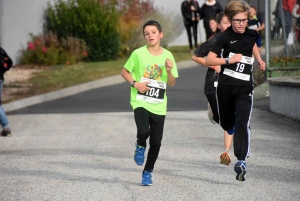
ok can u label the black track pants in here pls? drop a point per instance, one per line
(149, 125)
(235, 107)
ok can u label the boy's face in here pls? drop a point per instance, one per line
(152, 35)
(213, 25)
(239, 22)
(252, 12)
(224, 24)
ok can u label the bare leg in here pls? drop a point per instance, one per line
(227, 140)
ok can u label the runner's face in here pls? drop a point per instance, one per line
(239, 22)
(224, 24)
(152, 35)
(252, 12)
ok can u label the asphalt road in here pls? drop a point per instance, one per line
(81, 148)
(186, 95)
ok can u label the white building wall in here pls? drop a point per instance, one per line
(18, 19)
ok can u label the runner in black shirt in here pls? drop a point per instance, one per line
(233, 51)
(211, 80)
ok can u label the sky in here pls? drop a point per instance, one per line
(174, 6)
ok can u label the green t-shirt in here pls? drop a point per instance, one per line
(146, 67)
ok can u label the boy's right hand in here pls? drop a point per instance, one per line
(235, 58)
(142, 87)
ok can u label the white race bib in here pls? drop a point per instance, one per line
(156, 93)
(236, 75)
(245, 59)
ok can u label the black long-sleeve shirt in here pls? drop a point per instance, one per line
(186, 11)
(207, 12)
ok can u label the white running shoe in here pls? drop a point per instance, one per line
(210, 114)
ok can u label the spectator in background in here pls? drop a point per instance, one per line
(296, 13)
(213, 25)
(208, 10)
(287, 7)
(255, 22)
(5, 65)
(297, 29)
(190, 11)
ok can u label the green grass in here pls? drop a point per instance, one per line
(180, 53)
(63, 76)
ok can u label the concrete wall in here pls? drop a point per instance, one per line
(18, 19)
(285, 96)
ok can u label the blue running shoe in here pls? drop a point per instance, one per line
(139, 154)
(240, 169)
(147, 178)
(231, 131)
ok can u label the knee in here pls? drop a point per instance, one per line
(155, 143)
(143, 134)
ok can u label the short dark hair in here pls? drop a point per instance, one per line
(152, 23)
(213, 18)
(253, 7)
(219, 17)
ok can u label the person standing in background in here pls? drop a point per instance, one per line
(5, 65)
(213, 25)
(257, 24)
(190, 11)
(296, 14)
(208, 10)
(287, 8)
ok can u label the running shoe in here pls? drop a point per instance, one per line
(139, 154)
(6, 133)
(240, 169)
(225, 158)
(210, 114)
(147, 178)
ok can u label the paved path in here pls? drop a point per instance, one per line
(89, 155)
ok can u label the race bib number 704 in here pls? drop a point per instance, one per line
(156, 93)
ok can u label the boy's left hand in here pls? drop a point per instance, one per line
(169, 65)
(262, 65)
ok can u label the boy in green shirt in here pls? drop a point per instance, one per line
(149, 69)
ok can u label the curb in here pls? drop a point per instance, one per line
(69, 91)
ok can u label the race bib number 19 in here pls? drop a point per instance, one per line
(156, 93)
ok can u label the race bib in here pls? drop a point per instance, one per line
(242, 68)
(236, 75)
(156, 93)
(245, 59)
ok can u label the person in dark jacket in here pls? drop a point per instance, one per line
(287, 8)
(209, 10)
(190, 11)
(5, 64)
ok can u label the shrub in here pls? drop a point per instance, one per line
(47, 50)
(38, 53)
(92, 21)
